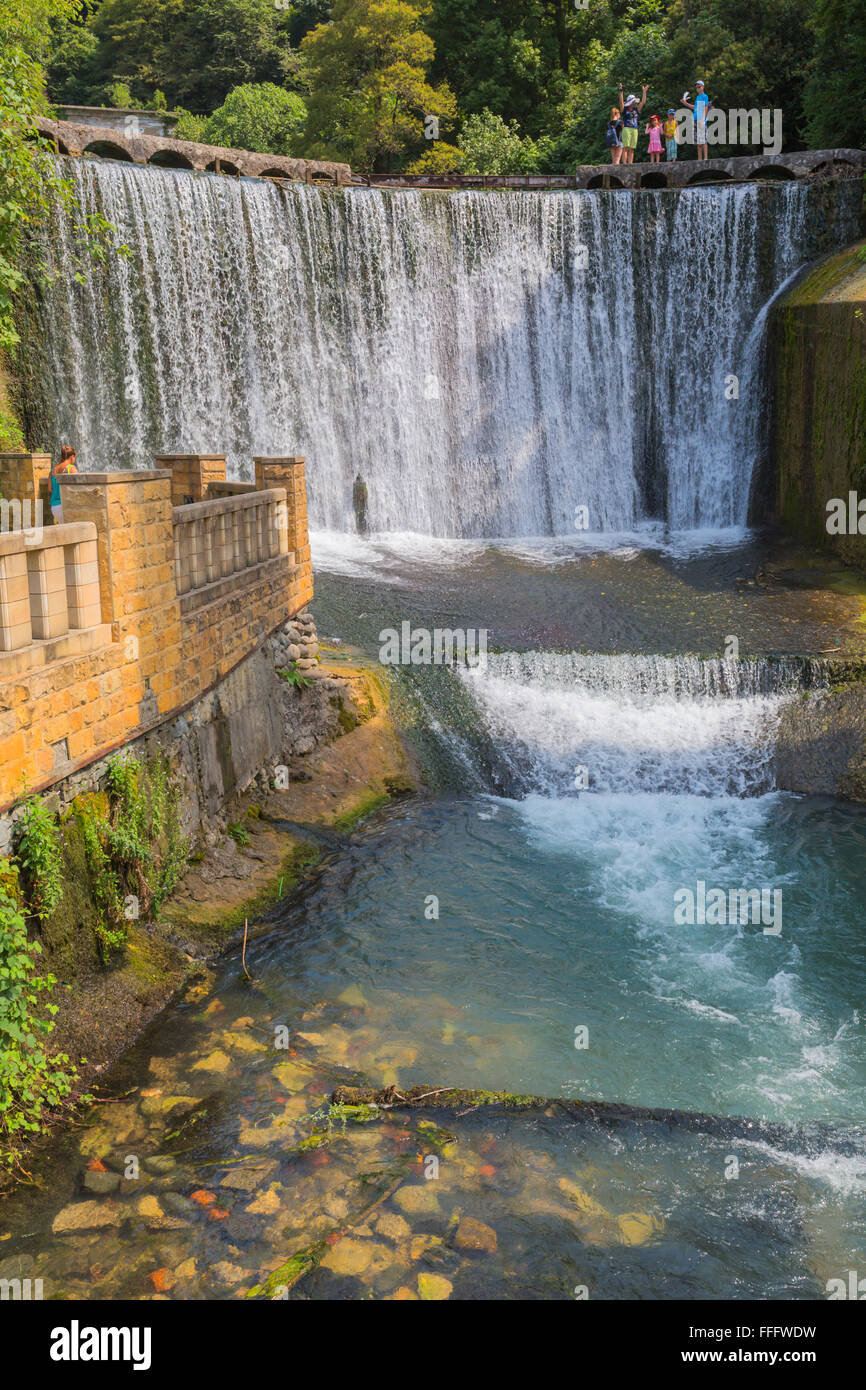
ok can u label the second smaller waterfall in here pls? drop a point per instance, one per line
(636, 724)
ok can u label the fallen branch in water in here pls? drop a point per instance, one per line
(244, 951)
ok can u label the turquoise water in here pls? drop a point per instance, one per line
(545, 923)
(555, 913)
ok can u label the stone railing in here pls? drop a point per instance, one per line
(49, 586)
(221, 539)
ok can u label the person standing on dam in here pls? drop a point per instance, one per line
(630, 110)
(701, 106)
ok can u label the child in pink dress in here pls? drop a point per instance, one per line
(654, 131)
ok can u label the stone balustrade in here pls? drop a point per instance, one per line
(49, 586)
(217, 540)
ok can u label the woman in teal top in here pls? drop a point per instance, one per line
(65, 465)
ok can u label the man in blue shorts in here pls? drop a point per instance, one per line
(701, 105)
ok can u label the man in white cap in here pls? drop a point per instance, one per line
(630, 108)
(701, 105)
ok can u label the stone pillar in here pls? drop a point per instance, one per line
(46, 574)
(15, 627)
(290, 472)
(135, 553)
(25, 478)
(192, 475)
(82, 584)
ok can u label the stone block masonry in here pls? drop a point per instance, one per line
(818, 485)
(138, 606)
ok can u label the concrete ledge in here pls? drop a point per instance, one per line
(132, 475)
(79, 642)
(236, 501)
(68, 533)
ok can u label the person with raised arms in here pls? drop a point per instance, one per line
(630, 109)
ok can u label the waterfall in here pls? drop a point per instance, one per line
(636, 724)
(486, 362)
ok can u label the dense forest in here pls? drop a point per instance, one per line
(487, 86)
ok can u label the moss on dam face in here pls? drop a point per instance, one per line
(819, 424)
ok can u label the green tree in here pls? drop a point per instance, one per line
(72, 47)
(119, 95)
(257, 116)
(33, 1080)
(189, 126)
(370, 99)
(25, 28)
(749, 54)
(494, 146)
(833, 99)
(195, 51)
(523, 59)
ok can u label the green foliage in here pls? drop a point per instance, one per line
(494, 146)
(633, 59)
(189, 126)
(118, 94)
(195, 51)
(32, 1081)
(440, 158)
(11, 433)
(71, 52)
(293, 676)
(134, 847)
(372, 71)
(369, 93)
(30, 187)
(239, 833)
(833, 99)
(257, 116)
(748, 55)
(39, 853)
(511, 57)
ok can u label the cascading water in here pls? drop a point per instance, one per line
(636, 724)
(487, 363)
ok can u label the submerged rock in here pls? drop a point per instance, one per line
(291, 1077)
(393, 1227)
(159, 1164)
(266, 1203)
(216, 1061)
(169, 1105)
(247, 1177)
(100, 1182)
(417, 1200)
(638, 1227)
(434, 1287)
(85, 1216)
(349, 1256)
(474, 1235)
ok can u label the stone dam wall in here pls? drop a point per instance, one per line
(819, 420)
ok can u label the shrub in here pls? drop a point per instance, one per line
(134, 847)
(40, 856)
(32, 1081)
